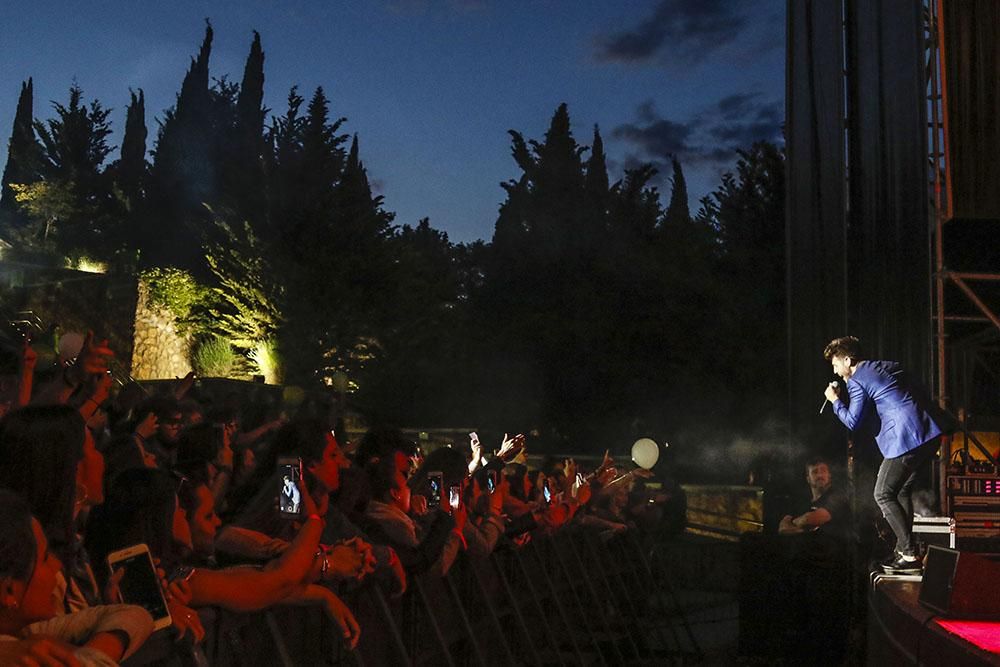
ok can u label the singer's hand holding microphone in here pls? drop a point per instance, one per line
(831, 393)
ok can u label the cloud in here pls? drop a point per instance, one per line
(737, 105)
(658, 137)
(683, 30)
(711, 137)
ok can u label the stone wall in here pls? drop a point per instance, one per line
(160, 351)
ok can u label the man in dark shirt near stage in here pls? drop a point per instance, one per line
(816, 585)
(828, 519)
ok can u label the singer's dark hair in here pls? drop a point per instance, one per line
(847, 346)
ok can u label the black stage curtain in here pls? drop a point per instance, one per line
(971, 30)
(889, 231)
(858, 242)
(816, 203)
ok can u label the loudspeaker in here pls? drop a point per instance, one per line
(960, 584)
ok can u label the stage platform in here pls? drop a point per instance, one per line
(903, 632)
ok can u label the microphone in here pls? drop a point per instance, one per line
(826, 401)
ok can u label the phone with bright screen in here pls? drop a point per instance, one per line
(491, 481)
(454, 496)
(435, 482)
(289, 496)
(139, 584)
(546, 492)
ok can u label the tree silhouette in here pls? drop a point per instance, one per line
(184, 174)
(24, 160)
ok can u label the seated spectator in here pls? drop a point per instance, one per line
(102, 635)
(47, 456)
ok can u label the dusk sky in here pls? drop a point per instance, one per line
(432, 86)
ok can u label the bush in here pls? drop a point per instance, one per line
(179, 293)
(214, 357)
(265, 355)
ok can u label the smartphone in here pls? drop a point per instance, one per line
(139, 584)
(491, 481)
(546, 491)
(434, 481)
(289, 497)
(473, 438)
(454, 496)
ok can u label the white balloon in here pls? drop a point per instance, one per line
(70, 344)
(645, 453)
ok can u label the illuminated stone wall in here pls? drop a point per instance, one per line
(159, 351)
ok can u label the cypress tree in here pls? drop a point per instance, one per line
(322, 151)
(596, 181)
(247, 177)
(360, 214)
(184, 170)
(283, 160)
(595, 187)
(24, 153)
(678, 212)
(132, 167)
(560, 173)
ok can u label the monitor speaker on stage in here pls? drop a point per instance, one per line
(960, 584)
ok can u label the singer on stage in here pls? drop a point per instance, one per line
(881, 400)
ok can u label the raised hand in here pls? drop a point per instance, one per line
(607, 461)
(477, 452)
(510, 447)
(418, 505)
(185, 386)
(309, 504)
(28, 355)
(95, 355)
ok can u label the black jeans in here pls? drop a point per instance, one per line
(893, 492)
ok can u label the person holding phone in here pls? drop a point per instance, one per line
(176, 517)
(260, 532)
(28, 573)
(430, 542)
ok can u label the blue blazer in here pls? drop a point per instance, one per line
(881, 401)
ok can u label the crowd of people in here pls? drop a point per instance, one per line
(244, 510)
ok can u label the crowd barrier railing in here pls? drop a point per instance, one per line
(568, 599)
